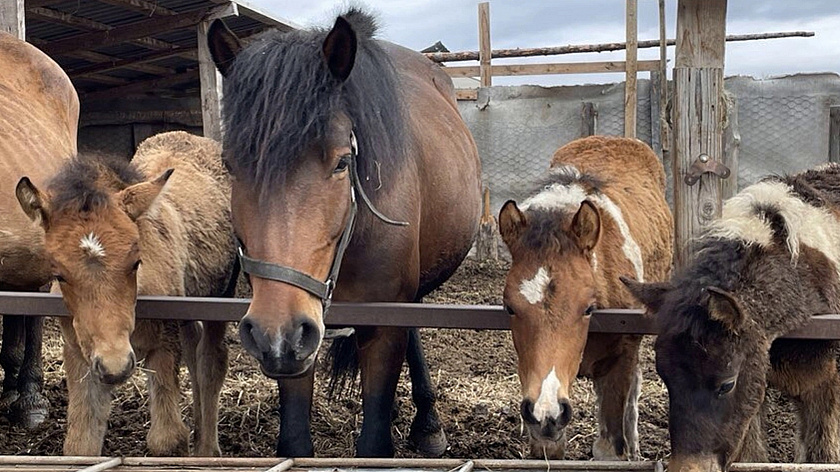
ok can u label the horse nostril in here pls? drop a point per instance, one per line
(565, 416)
(250, 335)
(306, 338)
(97, 368)
(526, 409)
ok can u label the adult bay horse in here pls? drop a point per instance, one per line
(39, 114)
(600, 215)
(159, 225)
(346, 152)
(767, 265)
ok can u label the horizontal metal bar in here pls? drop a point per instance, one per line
(420, 315)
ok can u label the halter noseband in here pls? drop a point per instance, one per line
(320, 289)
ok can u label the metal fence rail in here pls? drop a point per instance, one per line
(622, 321)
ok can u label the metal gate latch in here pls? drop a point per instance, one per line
(705, 164)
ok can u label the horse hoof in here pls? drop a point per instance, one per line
(7, 399)
(429, 445)
(29, 411)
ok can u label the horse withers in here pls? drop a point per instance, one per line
(39, 114)
(601, 214)
(761, 270)
(345, 152)
(159, 225)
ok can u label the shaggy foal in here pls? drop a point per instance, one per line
(113, 230)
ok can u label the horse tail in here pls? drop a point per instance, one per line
(343, 356)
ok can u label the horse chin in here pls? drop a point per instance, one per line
(548, 448)
(304, 368)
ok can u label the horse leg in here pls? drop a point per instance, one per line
(168, 436)
(615, 378)
(426, 435)
(88, 401)
(381, 355)
(631, 415)
(31, 407)
(295, 438)
(190, 338)
(11, 357)
(212, 369)
(754, 446)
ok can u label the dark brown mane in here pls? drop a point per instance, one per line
(78, 187)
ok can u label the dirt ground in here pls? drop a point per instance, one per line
(475, 374)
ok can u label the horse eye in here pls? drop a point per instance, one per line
(227, 165)
(343, 162)
(509, 310)
(136, 266)
(58, 278)
(725, 388)
(589, 311)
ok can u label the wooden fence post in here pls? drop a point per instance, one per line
(211, 87)
(731, 147)
(698, 117)
(13, 18)
(484, 50)
(834, 134)
(588, 119)
(631, 69)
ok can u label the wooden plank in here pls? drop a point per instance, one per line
(139, 63)
(731, 148)
(143, 6)
(549, 68)
(602, 47)
(12, 18)
(655, 93)
(834, 134)
(613, 320)
(105, 465)
(698, 118)
(211, 87)
(122, 117)
(588, 119)
(484, 50)
(630, 68)
(466, 94)
(136, 30)
(142, 86)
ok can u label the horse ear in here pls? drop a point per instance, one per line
(32, 201)
(223, 45)
(650, 294)
(138, 198)
(725, 309)
(340, 49)
(511, 223)
(586, 226)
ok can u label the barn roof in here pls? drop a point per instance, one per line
(113, 48)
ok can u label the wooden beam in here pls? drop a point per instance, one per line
(466, 94)
(834, 134)
(142, 86)
(143, 6)
(588, 119)
(603, 47)
(12, 19)
(133, 31)
(484, 50)
(630, 68)
(211, 87)
(698, 118)
(61, 18)
(139, 63)
(548, 69)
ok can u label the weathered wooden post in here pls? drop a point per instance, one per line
(211, 87)
(631, 69)
(487, 243)
(698, 120)
(12, 18)
(484, 49)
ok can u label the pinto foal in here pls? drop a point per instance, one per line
(113, 230)
(601, 214)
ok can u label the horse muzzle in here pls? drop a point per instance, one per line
(546, 427)
(113, 371)
(290, 352)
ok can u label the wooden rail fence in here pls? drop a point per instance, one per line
(419, 315)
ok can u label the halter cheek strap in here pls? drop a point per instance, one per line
(320, 289)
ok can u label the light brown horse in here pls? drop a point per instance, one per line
(39, 114)
(295, 105)
(157, 226)
(601, 214)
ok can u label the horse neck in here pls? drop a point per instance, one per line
(163, 244)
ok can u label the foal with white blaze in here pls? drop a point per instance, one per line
(157, 226)
(601, 214)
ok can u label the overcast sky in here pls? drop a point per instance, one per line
(531, 23)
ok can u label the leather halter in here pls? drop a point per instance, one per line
(289, 275)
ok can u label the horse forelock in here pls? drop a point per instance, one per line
(280, 98)
(85, 183)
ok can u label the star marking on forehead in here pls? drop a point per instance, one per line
(92, 246)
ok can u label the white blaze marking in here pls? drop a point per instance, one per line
(556, 196)
(805, 224)
(92, 246)
(547, 405)
(534, 289)
(630, 248)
